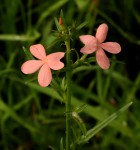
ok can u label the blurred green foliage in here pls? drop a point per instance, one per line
(32, 117)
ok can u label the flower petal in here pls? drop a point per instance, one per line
(101, 32)
(102, 59)
(87, 50)
(31, 66)
(112, 47)
(89, 40)
(38, 51)
(44, 76)
(54, 62)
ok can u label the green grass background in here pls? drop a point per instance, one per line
(33, 118)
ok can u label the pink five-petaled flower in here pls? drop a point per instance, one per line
(45, 63)
(93, 44)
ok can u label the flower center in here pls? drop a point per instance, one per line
(97, 45)
(45, 60)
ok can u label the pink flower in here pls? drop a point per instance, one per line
(45, 63)
(93, 44)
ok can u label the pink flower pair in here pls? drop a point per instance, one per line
(93, 44)
(52, 61)
(45, 63)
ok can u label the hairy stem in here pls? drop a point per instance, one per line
(68, 94)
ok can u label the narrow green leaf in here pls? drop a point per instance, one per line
(79, 109)
(50, 10)
(99, 85)
(28, 54)
(117, 61)
(119, 77)
(5, 108)
(61, 144)
(81, 3)
(90, 59)
(103, 124)
(134, 89)
(48, 91)
(80, 122)
(57, 24)
(24, 37)
(82, 25)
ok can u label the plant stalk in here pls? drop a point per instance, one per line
(68, 94)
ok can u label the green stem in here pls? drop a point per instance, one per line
(68, 95)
